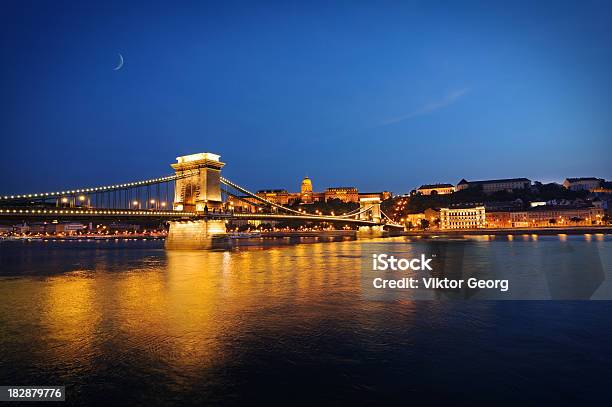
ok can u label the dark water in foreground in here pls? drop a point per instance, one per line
(127, 322)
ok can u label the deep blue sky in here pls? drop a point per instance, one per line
(379, 95)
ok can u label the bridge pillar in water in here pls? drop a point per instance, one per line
(197, 234)
(374, 215)
(371, 232)
(198, 189)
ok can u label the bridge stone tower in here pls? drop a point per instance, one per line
(374, 215)
(198, 189)
(199, 184)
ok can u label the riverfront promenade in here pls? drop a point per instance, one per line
(578, 230)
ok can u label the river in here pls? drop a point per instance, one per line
(128, 322)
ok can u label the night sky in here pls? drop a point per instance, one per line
(377, 96)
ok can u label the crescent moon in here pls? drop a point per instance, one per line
(118, 67)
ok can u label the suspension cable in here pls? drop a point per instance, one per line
(252, 195)
(106, 188)
(391, 221)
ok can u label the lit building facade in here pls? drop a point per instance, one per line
(431, 215)
(278, 196)
(345, 194)
(582, 184)
(436, 189)
(604, 188)
(545, 216)
(495, 185)
(68, 228)
(462, 218)
(413, 219)
(308, 196)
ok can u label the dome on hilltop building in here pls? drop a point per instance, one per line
(306, 185)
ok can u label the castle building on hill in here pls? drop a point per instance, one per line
(308, 196)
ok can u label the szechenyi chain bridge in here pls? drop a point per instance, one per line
(193, 201)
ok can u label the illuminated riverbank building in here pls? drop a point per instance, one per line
(307, 195)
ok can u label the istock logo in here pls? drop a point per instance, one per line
(384, 262)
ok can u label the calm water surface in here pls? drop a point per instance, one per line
(128, 322)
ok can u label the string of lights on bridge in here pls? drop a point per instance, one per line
(14, 211)
(95, 189)
(84, 192)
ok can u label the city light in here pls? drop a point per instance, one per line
(69, 196)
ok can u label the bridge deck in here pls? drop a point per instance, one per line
(20, 212)
(86, 213)
(319, 218)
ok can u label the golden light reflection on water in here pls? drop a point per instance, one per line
(70, 316)
(189, 310)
